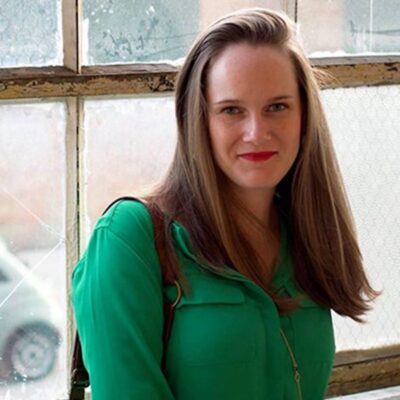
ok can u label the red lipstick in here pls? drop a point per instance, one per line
(258, 156)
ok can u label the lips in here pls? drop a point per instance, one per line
(258, 156)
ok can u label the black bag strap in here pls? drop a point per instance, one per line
(79, 375)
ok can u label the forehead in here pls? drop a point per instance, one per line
(243, 70)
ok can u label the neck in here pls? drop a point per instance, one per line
(260, 204)
(262, 227)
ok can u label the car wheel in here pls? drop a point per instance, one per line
(31, 352)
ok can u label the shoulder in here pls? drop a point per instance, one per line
(129, 220)
(120, 251)
(121, 243)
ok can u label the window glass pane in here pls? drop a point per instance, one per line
(135, 139)
(126, 135)
(30, 33)
(364, 123)
(143, 31)
(32, 213)
(349, 27)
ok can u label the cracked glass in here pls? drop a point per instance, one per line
(32, 251)
(30, 33)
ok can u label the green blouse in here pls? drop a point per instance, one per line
(225, 342)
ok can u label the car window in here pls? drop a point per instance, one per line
(3, 276)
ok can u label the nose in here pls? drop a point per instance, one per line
(257, 130)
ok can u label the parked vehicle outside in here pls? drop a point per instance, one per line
(29, 337)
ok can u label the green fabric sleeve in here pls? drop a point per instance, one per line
(118, 305)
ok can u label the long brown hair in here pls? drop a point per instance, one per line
(327, 259)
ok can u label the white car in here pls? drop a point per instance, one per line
(29, 339)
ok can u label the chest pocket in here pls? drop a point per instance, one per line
(313, 329)
(214, 325)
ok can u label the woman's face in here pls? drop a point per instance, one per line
(254, 115)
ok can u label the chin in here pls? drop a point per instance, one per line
(257, 186)
(258, 182)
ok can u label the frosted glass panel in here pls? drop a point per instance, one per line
(129, 146)
(32, 247)
(143, 31)
(365, 126)
(349, 27)
(30, 33)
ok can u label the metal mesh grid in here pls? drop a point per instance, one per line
(365, 127)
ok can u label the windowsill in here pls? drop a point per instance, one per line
(390, 393)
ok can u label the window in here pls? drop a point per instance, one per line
(30, 33)
(346, 27)
(80, 119)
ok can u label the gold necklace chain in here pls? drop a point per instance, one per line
(296, 373)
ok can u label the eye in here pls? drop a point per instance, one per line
(230, 110)
(277, 107)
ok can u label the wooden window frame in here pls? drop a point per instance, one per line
(41, 82)
(354, 371)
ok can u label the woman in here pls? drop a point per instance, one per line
(261, 227)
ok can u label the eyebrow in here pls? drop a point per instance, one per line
(235, 101)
